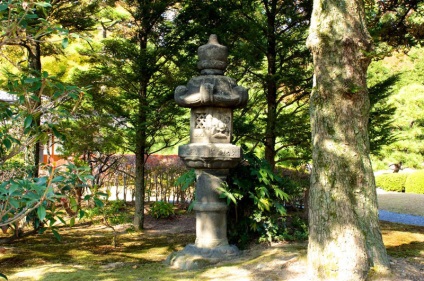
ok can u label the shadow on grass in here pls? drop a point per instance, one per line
(87, 254)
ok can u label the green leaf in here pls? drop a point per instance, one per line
(102, 194)
(41, 181)
(3, 276)
(43, 4)
(280, 208)
(62, 220)
(56, 133)
(13, 187)
(2, 8)
(14, 203)
(28, 122)
(7, 143)
(264, 204)
(58, 179)
(56, 234)
(81, 214)
(30, 80)
(98, 202)
(281, 194)
(41, 213)
(65, 42)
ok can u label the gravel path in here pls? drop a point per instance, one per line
(400, 218)
(405, 208)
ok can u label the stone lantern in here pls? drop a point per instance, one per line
(212, 96)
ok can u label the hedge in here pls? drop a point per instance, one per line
(391, 182)
(415, 182)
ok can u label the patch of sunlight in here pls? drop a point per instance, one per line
(397, 238)
(79, 254)
(153, 254)
(226, 273)
(39, 273)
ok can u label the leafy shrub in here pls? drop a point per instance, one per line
(415, 183)
(161, 209)
(259, 196)
(111, 212)
(391, 182)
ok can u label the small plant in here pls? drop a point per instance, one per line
(161, 209)
(391, 182)
(415, 183)
(111, 214)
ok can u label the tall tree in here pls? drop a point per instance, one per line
(344, 235)
(276, 30)
(43, 19)
(133, 78)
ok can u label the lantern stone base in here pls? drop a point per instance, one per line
(193, 257)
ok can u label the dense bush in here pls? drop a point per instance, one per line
(161, 209)
(415, 183)
(260, 197)
(391, 182)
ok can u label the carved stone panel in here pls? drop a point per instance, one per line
(211, 125)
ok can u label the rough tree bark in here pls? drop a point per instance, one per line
(344, 235)
(141, 138)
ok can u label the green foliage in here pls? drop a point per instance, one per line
(415, 183)
(397, 24)
(111, 212)
(37, 198)
(404, 102)
(259, 196)
(161, 209)
(391, 182)
(186, 180)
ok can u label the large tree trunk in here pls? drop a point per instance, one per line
(344, 235)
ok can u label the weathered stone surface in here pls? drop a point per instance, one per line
(213, 57)
(211, 90)
(210, 156)
(193, 257)
(211, 97)
(211, 125)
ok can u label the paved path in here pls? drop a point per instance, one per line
(405, 208)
